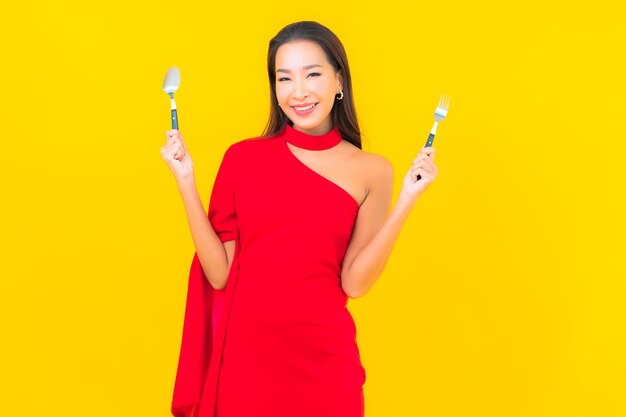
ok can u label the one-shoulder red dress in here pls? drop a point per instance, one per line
(278, 340)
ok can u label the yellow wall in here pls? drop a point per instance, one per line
(504, 294)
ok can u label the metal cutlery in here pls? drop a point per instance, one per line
(440, 113)
(170, 85)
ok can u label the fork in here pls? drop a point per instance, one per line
(440, 113)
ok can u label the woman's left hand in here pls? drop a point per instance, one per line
(424, 166)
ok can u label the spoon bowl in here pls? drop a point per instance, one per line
(171, 81)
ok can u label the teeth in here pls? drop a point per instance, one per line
(304, 108)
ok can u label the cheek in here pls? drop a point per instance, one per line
(281, 93)
(327, 87)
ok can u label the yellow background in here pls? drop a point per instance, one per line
(504, 295)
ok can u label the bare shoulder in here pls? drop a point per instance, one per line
(376, 170)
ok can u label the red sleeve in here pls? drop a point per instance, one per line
(204, 304)
(222, 212)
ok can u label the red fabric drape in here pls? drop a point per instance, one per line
(204, 322)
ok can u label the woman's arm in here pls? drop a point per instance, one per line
(214, 256)
(361, 274)
(375, 231)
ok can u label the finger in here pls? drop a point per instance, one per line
(178, 139)
(173, 153)
(169, 138)
(430, 151)
(178, 151)
(420, 170)
(427, 162)
(183, 145)
(169, 156)
(418, 174)
(416, 171)
(423, 173)
(419, 158)
(173, 133)
(171, 148)
(175, 142)
(426, 151)
(422, 161)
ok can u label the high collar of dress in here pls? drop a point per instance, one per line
(311, 142)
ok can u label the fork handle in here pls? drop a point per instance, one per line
(429, 142)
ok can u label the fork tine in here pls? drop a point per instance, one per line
(444, 102)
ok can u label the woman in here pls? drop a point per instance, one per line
(298, 221)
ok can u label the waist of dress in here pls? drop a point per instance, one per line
(301, 297)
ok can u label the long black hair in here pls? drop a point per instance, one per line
(343, 113)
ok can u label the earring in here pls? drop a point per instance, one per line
(340, 97)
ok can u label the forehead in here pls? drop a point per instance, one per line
(296, 54)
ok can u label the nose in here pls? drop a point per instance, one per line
(299, 90)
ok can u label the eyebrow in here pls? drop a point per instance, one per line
(306, 67)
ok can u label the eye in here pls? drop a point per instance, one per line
(317, 74)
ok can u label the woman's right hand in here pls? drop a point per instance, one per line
(175, 154)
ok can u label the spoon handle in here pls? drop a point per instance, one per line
(174, 119)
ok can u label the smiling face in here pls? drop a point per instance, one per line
(304, 77)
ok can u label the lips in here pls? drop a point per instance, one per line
(303, 113)
(304, 107)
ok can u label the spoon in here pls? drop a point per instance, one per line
(170, 85)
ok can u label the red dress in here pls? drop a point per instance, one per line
(278, 340)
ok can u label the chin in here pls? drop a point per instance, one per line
(306, 124)
(310, 126)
